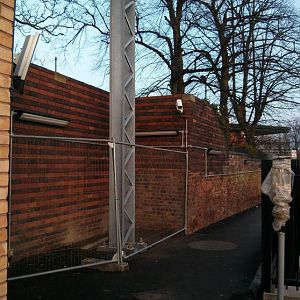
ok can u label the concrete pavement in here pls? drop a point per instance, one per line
(216, 263)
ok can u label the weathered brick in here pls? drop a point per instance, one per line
(3, 179)
(4, 150)
(4, 124)
(4, 138)
(6, 25)
(4, 80)
(3, 193)
(60, 77)
(3, 275)
(6, 41)
(5, 68)
(4, 166)
(3, 248)
(6, 12)
(3, 222)
(9, 3)
(3, 262)
(4, 109)
(4, 92)
(3, 206)
(3, 234)
(5, 53)
(3, 289)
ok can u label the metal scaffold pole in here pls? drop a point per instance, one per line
(122, 117)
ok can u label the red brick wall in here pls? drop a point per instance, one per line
(160, 190)
(212, 199)
(59, 189)
(46, 93)
(157, 114)
(59, 195)
(219, 196)
(204, 130)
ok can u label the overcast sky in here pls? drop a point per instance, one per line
(82, 69)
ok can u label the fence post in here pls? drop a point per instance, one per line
(280, 265)
(186, 191)
(117, 205)
(267, 231)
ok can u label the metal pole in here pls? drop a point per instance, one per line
(186, 134)
(186, 177)
(98, 263)
(186, 190)
(280, 275)
(60, 138)
(205, 157)
(55, 64)
(122, 115)
(117, 206)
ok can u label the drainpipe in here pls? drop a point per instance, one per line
(186, 191)
(186, 178)
(205, 158)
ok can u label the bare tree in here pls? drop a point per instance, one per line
(255, 58)
(170, 43)
(246, 52)
(69, 25)
(294, 134)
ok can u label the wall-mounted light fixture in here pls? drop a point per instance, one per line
(24, 116)
(214, 152)
(22, 61)
(157, 133)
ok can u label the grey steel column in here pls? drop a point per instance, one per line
(122, 115)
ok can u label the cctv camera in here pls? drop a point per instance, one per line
(179, 106)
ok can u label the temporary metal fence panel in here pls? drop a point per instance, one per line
(58, 205)
(160, 193)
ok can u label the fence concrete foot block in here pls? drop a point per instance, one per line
(105, 267)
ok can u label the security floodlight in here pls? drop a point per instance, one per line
(214, 152)
(23, 116)
(23, 60)
(156, 133)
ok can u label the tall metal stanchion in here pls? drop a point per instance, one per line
(280, 266)
(122, 116)
(278, 186)
(117, 204)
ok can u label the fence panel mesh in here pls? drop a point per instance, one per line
(160, 193)
(60, 201)
(59, 204)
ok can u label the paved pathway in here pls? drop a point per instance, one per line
(218, 262)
